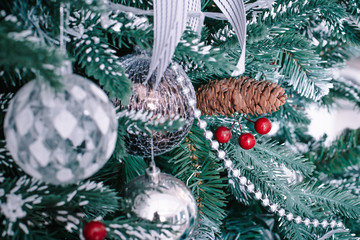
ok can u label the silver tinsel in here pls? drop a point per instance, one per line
(61, 136)
(160, 197)
(167, 99)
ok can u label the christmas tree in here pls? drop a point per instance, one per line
(182, 94)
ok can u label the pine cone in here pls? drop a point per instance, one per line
(242, 95)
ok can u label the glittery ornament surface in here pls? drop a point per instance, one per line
(166, 99)
(61, 136)
(160, 197)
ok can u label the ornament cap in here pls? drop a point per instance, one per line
(153, 174)
(66, 68)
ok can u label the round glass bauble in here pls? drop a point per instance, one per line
(162, 198)
(171, 98)
(61, 136)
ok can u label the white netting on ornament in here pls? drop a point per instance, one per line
(166, 99)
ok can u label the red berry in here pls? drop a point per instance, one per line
(223, 134)
(262, 126)
(247, 141)
(94, 231)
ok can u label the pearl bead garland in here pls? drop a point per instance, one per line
(250, 187)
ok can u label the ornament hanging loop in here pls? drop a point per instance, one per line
(152, 163)
(66, 68)
(153, 175)
(153, 172)
(61, 28)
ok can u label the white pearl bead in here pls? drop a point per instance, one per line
(243, 180)
(307, 222)
(298, 219)
(236, 173)
(208, 135)
(265, 202)
(289, 216)
(214, 145)
(228, 163)
(281, 212)
(324, 224)
(197, 113)
(333, 223)
(221, 154)
(202, 124)
(251, 188)
(315, 223)
(258, 195)
(340, 225)
(273, 207)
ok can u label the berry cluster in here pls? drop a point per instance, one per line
(246, 140)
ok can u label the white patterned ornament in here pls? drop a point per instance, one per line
(61, 136)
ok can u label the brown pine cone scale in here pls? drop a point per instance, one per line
(240, 95)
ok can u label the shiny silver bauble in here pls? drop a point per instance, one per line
(162, 198)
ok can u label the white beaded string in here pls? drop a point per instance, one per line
(250, 187)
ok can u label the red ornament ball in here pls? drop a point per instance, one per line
(223, 134)
(262, 126)
(247, 141)
(94, 230)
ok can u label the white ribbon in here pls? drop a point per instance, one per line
(195, 22)
(169, 24)
(234, 11)
(171, 18)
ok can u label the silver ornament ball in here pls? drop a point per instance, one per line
(163, 198)
(61, 136)
(167, 99)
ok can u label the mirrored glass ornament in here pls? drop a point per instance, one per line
(160, 197)
(61, 136)
(167, 99)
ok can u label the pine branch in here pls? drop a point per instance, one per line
(303, 72)
(269, 178)
(130, 228)
(344, 89)
(134, 167)
(195, 164)
(291, 230)
(29, 205)
(94, 54)
(292, 113)
(336, 54)
(146, 122)
(343, 153)
(4, 102)
(8, 167)
(349, 181)
(129, 30)
(202, 58)
(249, 222)
(20, 50)
(12, 79)
(206, 230)
(329, 198)
(297, 198)
(284, 156)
